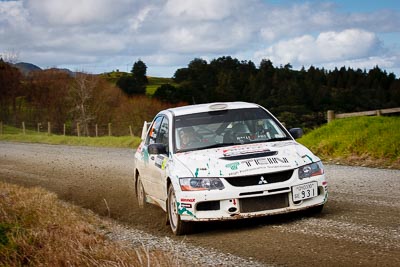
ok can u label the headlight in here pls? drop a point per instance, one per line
(196, 184)
(310, 170)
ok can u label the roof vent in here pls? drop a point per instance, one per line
(218, 106)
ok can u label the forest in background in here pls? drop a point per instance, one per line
(296, 97)
(60, 97)
(300, 98)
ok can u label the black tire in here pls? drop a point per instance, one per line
(178, 226)
(315, 210)
(140, 193)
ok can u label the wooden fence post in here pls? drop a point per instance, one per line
(48, 128)
(23, 127)
(109, 129)
(97, 130)
(1, 127)
(78, 129)
(130, 130)
(330, 115)
(64, 129)
(38, 127)
(378, 112)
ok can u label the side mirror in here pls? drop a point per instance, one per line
(296, 132)
(157, 149)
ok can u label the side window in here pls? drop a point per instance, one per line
(153, 133)
(162, 137)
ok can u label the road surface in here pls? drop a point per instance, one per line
(359, 226)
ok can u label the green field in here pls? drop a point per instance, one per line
(369, 141)
(154, 82)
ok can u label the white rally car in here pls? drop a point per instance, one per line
(224, 161)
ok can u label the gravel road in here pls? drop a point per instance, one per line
(360, 224)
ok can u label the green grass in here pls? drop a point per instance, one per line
(151, 89)
(16, 135)
(113, 76)
(155, 82)
(360, 139)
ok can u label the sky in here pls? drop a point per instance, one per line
(98, 36)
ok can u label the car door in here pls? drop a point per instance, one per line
(157, 162)
(147, 172)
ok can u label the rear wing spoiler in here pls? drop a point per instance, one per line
(145, 129)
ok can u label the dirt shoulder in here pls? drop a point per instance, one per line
(358, 227)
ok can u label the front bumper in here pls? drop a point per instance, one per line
(247, 202)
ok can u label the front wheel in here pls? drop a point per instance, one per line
(178, 226)
(315, 210)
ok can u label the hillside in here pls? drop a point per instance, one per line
(26, 68)
(154, 82)
(363, 141)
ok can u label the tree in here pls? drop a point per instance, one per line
(129, 85)
(135, 83)
(81, 93)
(168, 93)
(47, 93)
(10, 85)
(139, 72)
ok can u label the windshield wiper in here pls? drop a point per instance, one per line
(278, 139)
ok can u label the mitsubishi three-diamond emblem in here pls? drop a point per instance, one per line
(262, 180)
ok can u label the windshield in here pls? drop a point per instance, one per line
(227, 127)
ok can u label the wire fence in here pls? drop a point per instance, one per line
(118, 128)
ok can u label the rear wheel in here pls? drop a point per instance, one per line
(178, 226)
(140, 193)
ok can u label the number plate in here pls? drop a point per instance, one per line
(304, 191)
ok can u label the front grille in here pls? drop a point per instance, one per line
(254, 204)
(259, 178)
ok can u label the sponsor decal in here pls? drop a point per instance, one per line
(186, 205)
(283, 144)
(233, 166)
(198, 170)
(182, 210)
(164, 163)
(243, 151)
(145, 155)
(159, 161)
(307, 156)
(266, 161)
(258, 164)
(188, 199)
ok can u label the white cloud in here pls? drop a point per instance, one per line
(327, 46)
(76, 12)
(200, 10)
(176, 31)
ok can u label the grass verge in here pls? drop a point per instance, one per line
(16, 135)
(364, 141)
(38, 229)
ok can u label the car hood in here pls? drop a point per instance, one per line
(246, 159)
